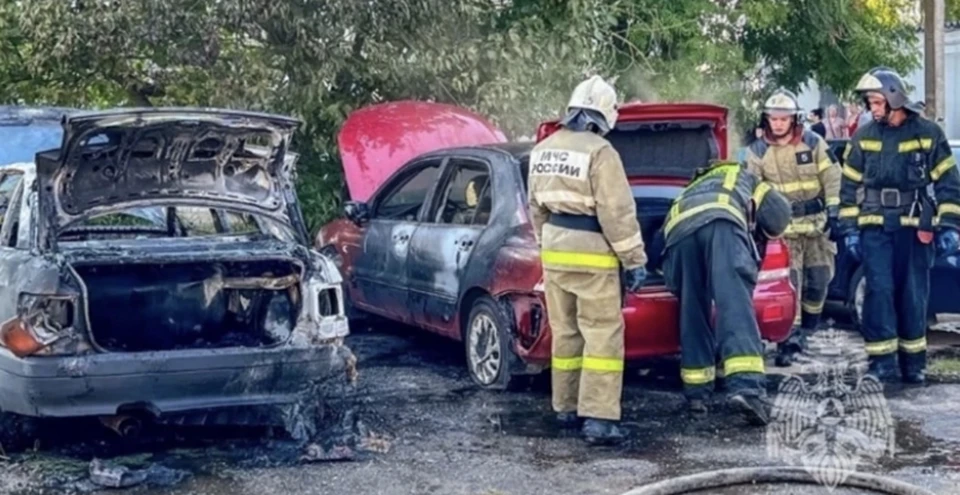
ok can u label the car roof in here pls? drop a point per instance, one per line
(516, 149)
(25, 115)
(23, 167)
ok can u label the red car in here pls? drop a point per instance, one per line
(438, 234)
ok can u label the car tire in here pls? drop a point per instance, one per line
(17, 433)
(488, 347)
(855, 295)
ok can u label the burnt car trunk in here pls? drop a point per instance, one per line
(202, 304)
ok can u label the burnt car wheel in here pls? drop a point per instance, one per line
(16, 432)
(487, 341)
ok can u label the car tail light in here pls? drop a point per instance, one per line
(40, 321)
(776, 261)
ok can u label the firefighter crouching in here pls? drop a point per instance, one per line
(894, 159)
(798, 163)
(585, 221)
(712, 257)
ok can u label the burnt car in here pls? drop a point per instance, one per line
(445, 243)
(848, 287)
(157, 263)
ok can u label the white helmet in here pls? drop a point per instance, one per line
(596, 94)
(782, 101)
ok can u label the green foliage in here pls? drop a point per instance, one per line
(514, 61)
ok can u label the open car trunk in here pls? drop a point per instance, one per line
(157, 307)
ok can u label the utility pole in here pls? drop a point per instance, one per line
(934, 17)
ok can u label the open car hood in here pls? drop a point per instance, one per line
(130, 158)
(376, 141)
(668, 140)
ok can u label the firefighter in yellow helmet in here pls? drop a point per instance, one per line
(585, 221)
(714, 236)
(799, 164)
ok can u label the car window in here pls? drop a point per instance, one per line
(8, 186)
(466, 199)
(190, 222)
(403, 202)
(23, 142)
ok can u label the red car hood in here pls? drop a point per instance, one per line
(668, 140)
(376, 141)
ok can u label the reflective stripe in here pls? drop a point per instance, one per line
(722, 203)
(905, 221)
(717, 169)
(813, 308)
(915, 144)
(881, 348)
(566, 364)
(800, 185)
(870, 145)
(914, 346)
(950, 208)
(570, 258)
(943, 167)
(603, 364)
(833, 201)
(849, 212)
(698, 376)
(760, 192)
(801, 227)
(852, 174)
(628, 243)
(743, 364)
(846, 152)
(730, 181)
(824, 165)
(564, 197)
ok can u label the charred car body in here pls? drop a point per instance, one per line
(445, 242)
(158, 262)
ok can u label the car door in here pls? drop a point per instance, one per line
(380, 271)
(443, 243)
(12, 259)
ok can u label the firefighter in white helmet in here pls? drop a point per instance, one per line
(799, 164)
(585, 221)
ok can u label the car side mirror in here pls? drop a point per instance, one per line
(356, 212)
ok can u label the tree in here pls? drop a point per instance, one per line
(512, 60)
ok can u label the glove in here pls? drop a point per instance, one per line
(633, 279)
(833, 221)
(852, 243)
(948, 242)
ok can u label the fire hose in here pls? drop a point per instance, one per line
(771, 474)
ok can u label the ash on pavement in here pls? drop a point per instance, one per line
(422, 427)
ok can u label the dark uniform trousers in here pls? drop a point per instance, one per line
(897, 270)
(716, 264)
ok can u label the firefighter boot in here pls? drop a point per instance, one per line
(755, 409)
(601, 432)
(568, 419)
(787, 349)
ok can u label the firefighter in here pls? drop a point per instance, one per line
(799, 164)
(585, 221)
(897, 224)
(714, 234)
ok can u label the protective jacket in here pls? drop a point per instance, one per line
(894, 166)
(730, 193)
(805, 172)
(581, 205)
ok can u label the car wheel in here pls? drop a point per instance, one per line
(856, 294)
(16, 432)
(487, 341)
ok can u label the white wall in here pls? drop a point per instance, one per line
(810, 97)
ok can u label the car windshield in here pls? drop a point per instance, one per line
(178, 221)
(22, 142)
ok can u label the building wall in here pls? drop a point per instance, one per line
(813, 96)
